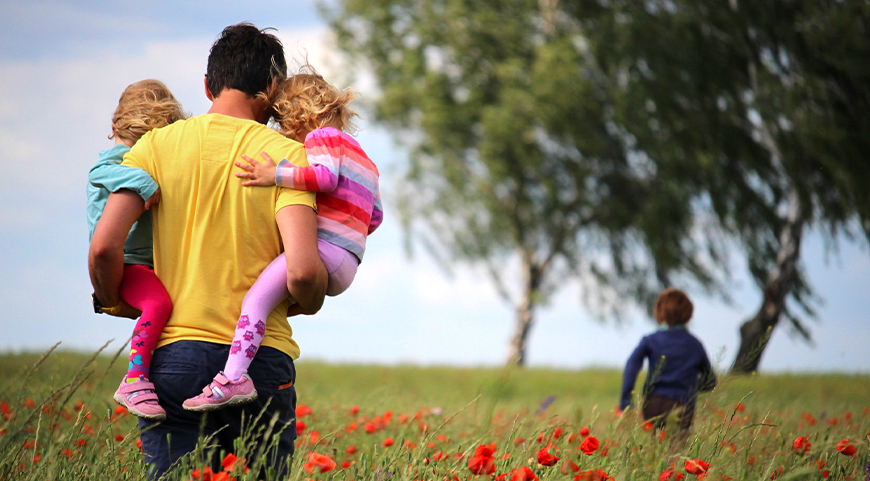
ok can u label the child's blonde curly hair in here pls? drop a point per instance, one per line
(143, 106)
(305, 102)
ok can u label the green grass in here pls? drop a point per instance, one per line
(61, 411)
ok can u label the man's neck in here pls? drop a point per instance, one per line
(235, 103)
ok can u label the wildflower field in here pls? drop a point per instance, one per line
(412, 423)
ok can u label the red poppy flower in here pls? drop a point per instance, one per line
(846, 448)
(584, 431)
(222, 476)
(545, 458)
(388, 442)
(523, 473)
(351, 449)
(345, 464)
(320, 462)
(303, 410)
(777, 472)
(229, 462)
(696, 467)
(801, 445)
(370, 427)
(300, 427)
(593, 475)
(205, 474)
(354, 409)
(482, 462)
(589, 445)
(569, 467)
(740, 407)
(671, 475)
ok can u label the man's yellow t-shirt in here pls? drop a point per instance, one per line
(213, 237)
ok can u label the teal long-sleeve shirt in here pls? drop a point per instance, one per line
(109, 176)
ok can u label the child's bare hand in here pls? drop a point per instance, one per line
(153, 200)
(258, 173)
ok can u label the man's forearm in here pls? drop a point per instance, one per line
(106, 254)
(306, 274)
(106, 270)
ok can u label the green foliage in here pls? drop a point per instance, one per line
(517, 152)
(64, 418)
(745, 101)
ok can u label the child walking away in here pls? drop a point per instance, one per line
(678, 364)
(143, 106)
(309, 110)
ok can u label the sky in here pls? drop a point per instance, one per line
(63, 66)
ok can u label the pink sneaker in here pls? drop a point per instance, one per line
(223, 392)
(140, 399)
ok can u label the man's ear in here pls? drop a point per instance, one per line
(207, 91)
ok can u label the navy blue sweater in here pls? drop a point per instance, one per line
(678, 366)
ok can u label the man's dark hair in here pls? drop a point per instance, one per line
(245, 58)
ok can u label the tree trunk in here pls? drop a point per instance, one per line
(525, 313)
(517, 349)
(755, 333)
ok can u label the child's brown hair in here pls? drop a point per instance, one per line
(673, 307)
(143, 106)
(305, 102)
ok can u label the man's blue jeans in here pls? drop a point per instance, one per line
(180, 370)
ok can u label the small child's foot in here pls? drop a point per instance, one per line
(223, 392)
(140, 399)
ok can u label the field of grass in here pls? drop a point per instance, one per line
(413, 423)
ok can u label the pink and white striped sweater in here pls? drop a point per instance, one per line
(346, 181)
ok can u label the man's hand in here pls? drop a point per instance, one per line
(128, 311)
(259, 173)
(153, 200)
(120, 310)
(297, 310)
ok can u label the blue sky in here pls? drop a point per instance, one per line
(63, 66)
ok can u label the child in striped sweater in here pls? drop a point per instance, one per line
(309, 110)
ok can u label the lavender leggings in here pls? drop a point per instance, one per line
(269, 290)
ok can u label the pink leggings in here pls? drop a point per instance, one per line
(141, 288)
(269, 290)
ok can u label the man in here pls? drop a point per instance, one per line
(212, 238)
